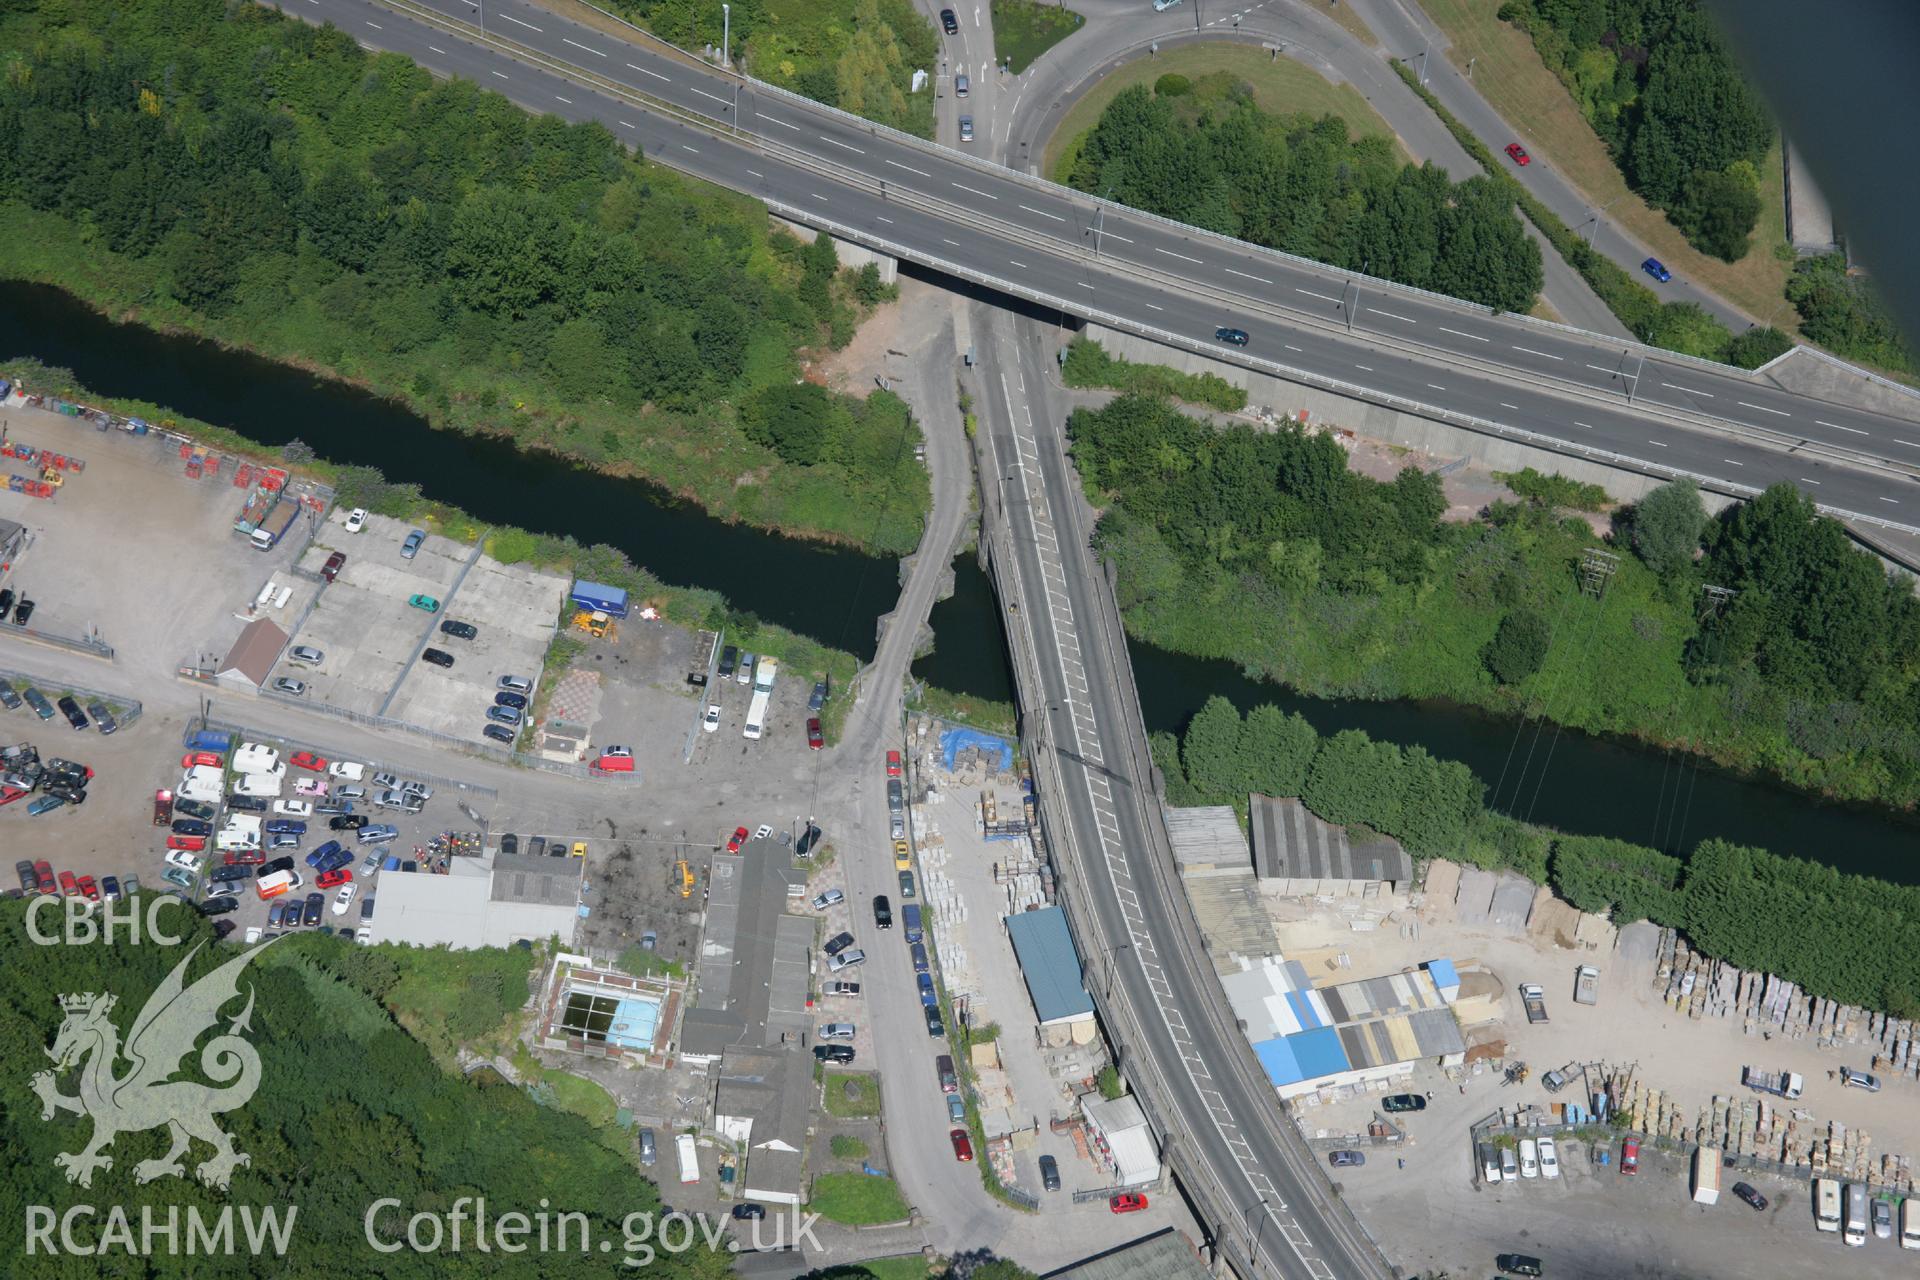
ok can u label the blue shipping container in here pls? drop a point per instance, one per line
(209, 740)
(611, 601)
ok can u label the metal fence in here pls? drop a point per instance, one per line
(126, 710)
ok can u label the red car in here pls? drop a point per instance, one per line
(962, 1146)
(331, 569)
(246, 857)
(68, 885)
(308, 760)
(739, 838)
(44, 870)
(893, 764)
(1518, 154)
(9, 794)
(1127, 1202)
(88, 887)
(328, 879)
(1630, 1156)
(814, 740)
(192, 844)
(193, 759)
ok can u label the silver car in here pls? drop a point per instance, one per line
(288, 685)
(305, 655)
(836, 1031)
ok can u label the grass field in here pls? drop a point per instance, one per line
(906, 1266)
(1346, 17)
(838, 1104)
(1509, 74)
(856, 1199)
(1025, 29)
(1278, 86)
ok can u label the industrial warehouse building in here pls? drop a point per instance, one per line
(1044, 946)
(1375, 1029)
(480, 902)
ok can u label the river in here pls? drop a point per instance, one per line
(829, 593)
(1565, 779)
(1568, 780)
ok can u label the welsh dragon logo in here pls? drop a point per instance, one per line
(146, 1097)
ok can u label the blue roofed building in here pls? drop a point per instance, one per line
(1310, 1038)
(1052, 969)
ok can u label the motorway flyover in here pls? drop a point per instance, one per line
(1434, 356)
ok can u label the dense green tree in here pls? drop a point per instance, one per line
(1354, 779)
(1840, 310)
(1519, 646)
(1717, 211)
(793, 420)
(1212, 753)
(1614, 878)
(1757, 346)
(1667, 524)
(1280, 747)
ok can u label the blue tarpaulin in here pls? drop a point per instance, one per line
(954, 741)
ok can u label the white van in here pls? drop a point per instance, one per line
(1509, 1167)
(241, 832)
(252, 757)
(689, 1158)
(1856, 1225)
(266, 594)
(1910, 1223)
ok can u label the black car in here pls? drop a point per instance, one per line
(934, 1026)
(71, 710)
(438, 657)
(1049, 1173)
(8, 698)
(195, 809)
(67, 791)
(949, 23)
(1751, 1196)
(265, 869)
(536, 845)
(6, 602)
(514, 700)
(316, 903)
(808, 838)
(22, 611)
(882, 912)
(840, 1053)
(247, 804)
(220, 906)
(729, 658)
(221, 928)
(463, 630)
(191, 827)
(230, 872)
(347, 822)
(1520, 1264)
(498, 733)
(1403, 1102)
(838, 942)
(509, 843)
(1234, 337)
(29, 878)
(746, 1212)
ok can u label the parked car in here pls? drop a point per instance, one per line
(38, 701)
(957, 1111)
(838, 942)
(505, 715)
(838, 1053)
(459, 630)
(343, 899)
(379, 833)
(1403, 1102)
(356, 520)
(315, 787)
(935, 1029)
(1630, 1156)
(71, 710)
(1549, 1159)
(497, 733)
(423, 601)
(1519, 1264)
(1128, 1202)
(285, 827)
(177, 877)
(906, 885)
(1859, 1080)
(838, 988)
(334, 878)
(893, 764)
(293, 809)
(815, 740)
(846, 960)
(836, 1031)
(803, 847)
(8, 698)
(515, 684)
(1752, 1197)
(738, 838)
(102, 717)
(962, 1146)
(1657, 269)
(411, 547)
(305, 655)
(315, 904)
(192, 827)
(335, 562)
(349, 822)
(509, 843)
(291, 687)
(219, 906)
(918, 951)
(438, 657)
(1518, 154)
(1346, 1159)
(194, 809)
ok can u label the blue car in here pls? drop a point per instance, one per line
(919, 952)
(286, 827)
(326, 850)
(1657, 269)
(411, 546)
(927, 996)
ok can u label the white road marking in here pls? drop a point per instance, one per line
(1804, 480)
(696, 151)
(1113, 235)
(1548, 354)
(1662, 444)
(598, 53)
(1436, 386)
(498, 74)
(1602, 368)
(1244, 276)
(1311, 294)
(1021, 265)
(1894, 501)
(528, 25)
(1084, 285)
(1289, 346)
(1910, 444)
(643, 71)
(815, 194)
(568, 101)
(1514, 407)
(376, 26)
(846, 145)
(776, 120)
(1364, 368)
(1393, 316)
(1730, 462)
(1587, 425)
(888, 221)
(1781, 412)
(909, 168)
(1854, 430)
(971, 191)
(1156, 306)
(441, 52)
(716, 97)
(1461, 334)
(1171, 254)
(954, 243)
(756, 173)
(1043, 213)
(1689, 390)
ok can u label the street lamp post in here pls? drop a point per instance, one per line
(726, 35)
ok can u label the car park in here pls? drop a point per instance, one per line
(89, 889)
(247, 857)
(315, 787)
(345, 770)
(334, 878)
(379, 833)
(1518, 154)
(244, 803)
(293, 808)
(343, 899)
(186, 844)
(178, 877)
(69, 884)
(962, 1146)
(335, 562)
(192, 827)
(438, 657)
(102, 717)
(423, 601)
(411, 547)
(71, 710)
(1657, 269)
(285, 827)
(459, 630)
(191, 810)
(1232, 337)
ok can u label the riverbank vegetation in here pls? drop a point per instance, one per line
(318, 1144)
(860, 58)
(1263, 548)
(270, 185)
(1843, 313)
(1850, 938)
(1088, 365)
(1203, 152)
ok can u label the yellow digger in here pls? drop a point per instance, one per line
(594, 623)
(686, 878)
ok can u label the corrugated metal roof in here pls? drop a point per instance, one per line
(1165, 1255)
(1207, 835)
(1289, 842)
(1050, 965)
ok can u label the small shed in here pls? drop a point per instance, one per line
(251, 659)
